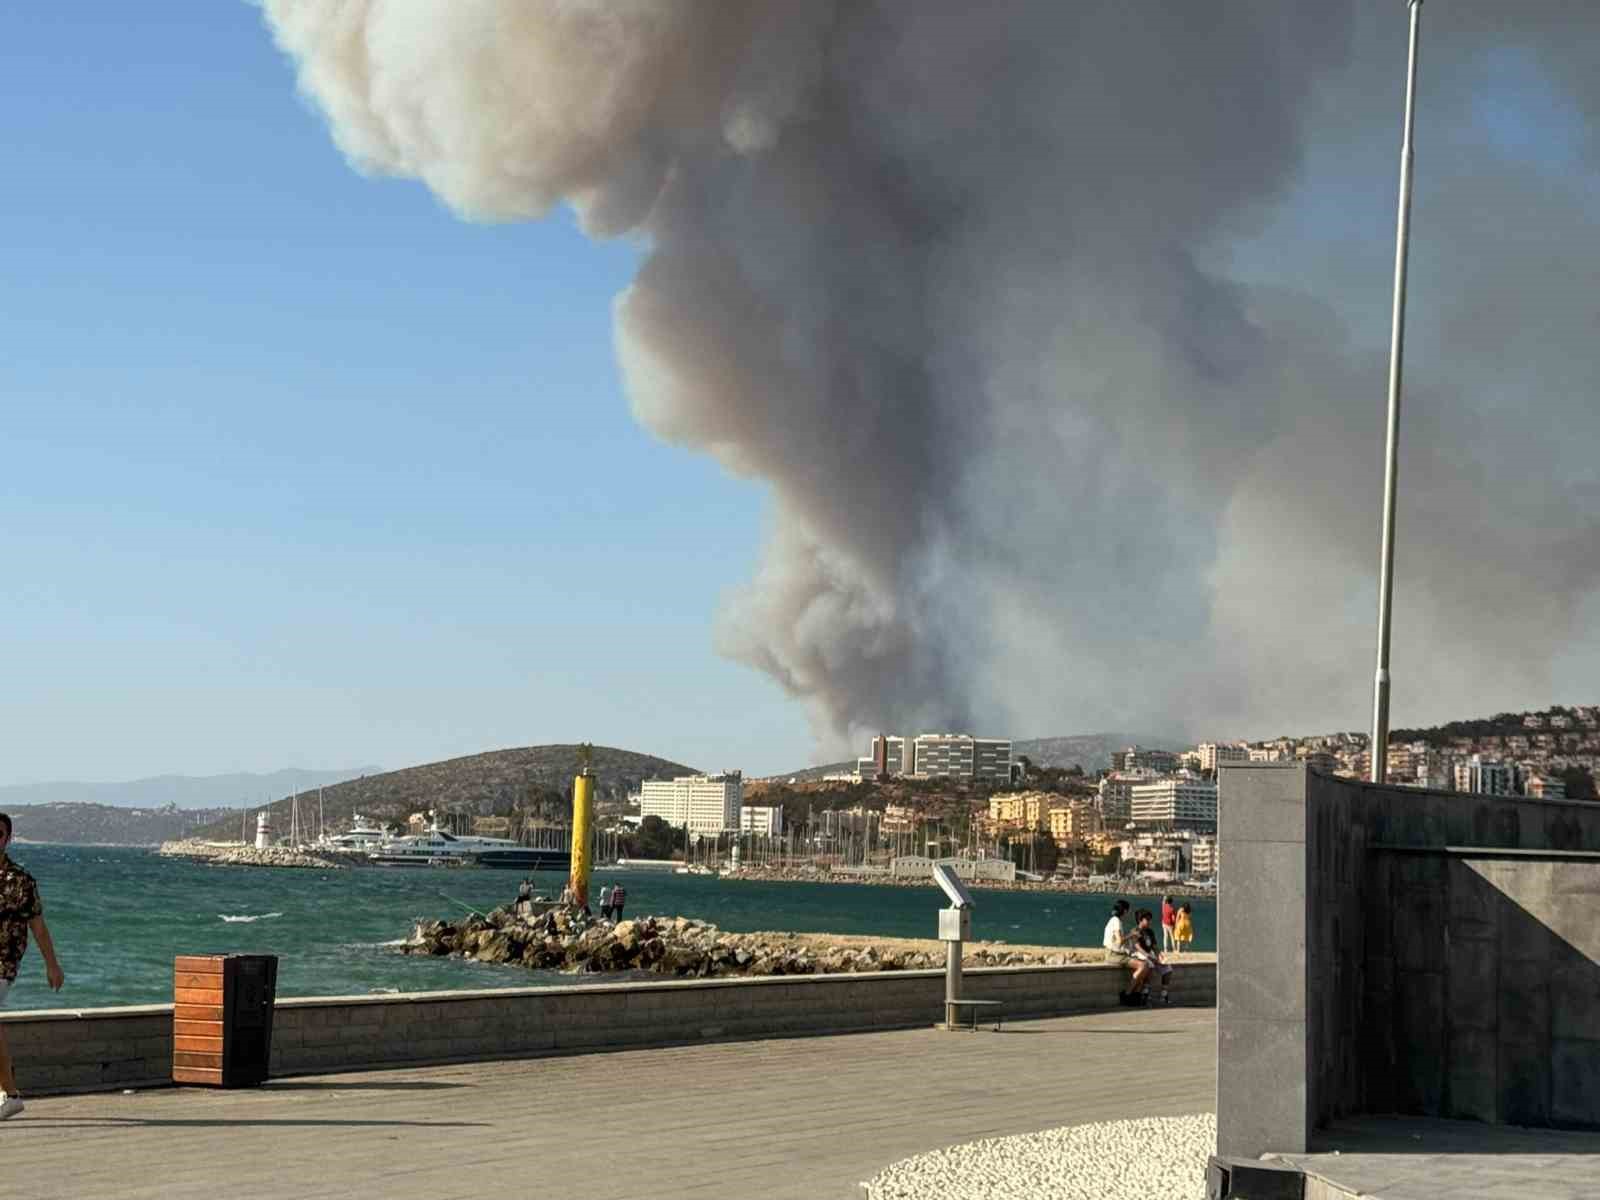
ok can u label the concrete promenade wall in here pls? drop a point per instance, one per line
(1394, 950)
(109, 1048)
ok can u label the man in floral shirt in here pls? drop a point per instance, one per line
(20, 911)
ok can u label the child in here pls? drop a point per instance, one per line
(1183, 931)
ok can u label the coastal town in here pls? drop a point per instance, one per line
(1149, 816)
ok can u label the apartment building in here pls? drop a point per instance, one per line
(1073, 822)
(763, 820)
(962, 756)
(1183, 802)
(1023, 809)
(1140, 758)
(699, 803)
(1488, 777)
(1116, 794)
(1213, 754)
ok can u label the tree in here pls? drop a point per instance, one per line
(656, 839)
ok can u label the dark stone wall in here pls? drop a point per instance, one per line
(1391, 950)
(1263, 1060)
(1487, 1004)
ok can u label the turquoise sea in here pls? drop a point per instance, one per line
(119, 916)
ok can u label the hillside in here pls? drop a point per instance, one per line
(535, 779)
(184, 791)
(112, 825)
(1557, 721)
(1091, 751)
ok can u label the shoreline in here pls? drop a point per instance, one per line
(1075, 887)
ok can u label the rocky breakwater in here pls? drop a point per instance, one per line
(236, 855)
(564, 940)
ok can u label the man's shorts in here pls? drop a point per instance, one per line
(1160, 968)
(1121, 957)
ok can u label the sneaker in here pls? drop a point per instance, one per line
(10, 1107)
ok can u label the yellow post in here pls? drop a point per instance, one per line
(582, 823)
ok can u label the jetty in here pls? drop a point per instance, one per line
(560, 939)
(237, 854)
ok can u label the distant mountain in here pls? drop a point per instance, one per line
(184, 791)
(1091, 751)
(111, 825)
(536, 779)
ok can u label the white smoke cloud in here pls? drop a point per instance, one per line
(962, 285)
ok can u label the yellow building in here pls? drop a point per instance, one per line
(1071, 823)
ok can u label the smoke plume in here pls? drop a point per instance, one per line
(1057, 330)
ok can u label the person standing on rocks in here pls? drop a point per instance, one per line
(619, 896)
(605, 902)
(20, 911)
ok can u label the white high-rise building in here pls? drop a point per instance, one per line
(1183, 802)
(761, 819)
(962, 756)
(1116, 794)
(699, 803)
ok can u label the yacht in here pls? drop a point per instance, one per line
(436, 848)
(363, 837)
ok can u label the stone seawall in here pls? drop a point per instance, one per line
(233, 854)
(110, 1048)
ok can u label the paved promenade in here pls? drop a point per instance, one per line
(805, 1117)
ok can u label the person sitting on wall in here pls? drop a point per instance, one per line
(1118, 948)
(1146, 953)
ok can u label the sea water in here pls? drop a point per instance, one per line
(119, 916)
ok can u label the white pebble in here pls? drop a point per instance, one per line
(1109, 1160)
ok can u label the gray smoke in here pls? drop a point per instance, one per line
(1056, 329)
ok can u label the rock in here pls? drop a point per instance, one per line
(495, 947)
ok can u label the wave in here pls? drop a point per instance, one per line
(246, 918)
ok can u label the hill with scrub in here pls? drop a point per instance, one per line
(532, 783)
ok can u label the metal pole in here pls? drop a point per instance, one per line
(952, 982)
(1380, 699)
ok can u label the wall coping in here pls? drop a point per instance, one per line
(128, 1012)
(1516, 852)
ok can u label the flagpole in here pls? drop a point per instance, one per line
(1380, 700)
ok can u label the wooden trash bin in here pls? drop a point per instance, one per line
(222, 1018)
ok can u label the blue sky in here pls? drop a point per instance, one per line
(297, 469)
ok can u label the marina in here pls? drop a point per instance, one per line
(123, 914)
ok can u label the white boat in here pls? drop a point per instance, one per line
(363, 837)
(436, 848)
